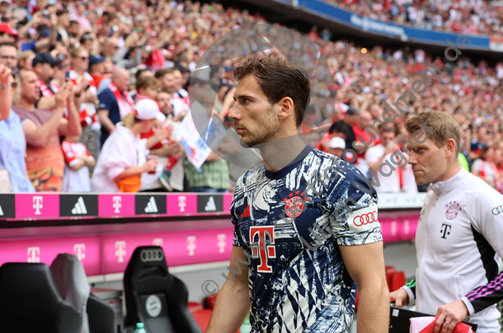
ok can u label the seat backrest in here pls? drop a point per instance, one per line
(101, 315)
(30, 301)
(71, 281)
(155, 297)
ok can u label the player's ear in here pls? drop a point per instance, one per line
(286, 106)
(450, 147)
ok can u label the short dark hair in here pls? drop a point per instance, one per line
(62, 12)
(339, 127)
(278, 79)
(140, 72)
(73, 22)
(145, 82)
(8, 44)
(161, 72)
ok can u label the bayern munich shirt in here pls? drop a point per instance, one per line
(291, 223)
(458, 240)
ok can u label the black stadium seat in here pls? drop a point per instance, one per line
(30, 301)
(101, 315)
(155, 297)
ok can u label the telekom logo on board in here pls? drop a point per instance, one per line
(117, 204)
(221, 242)
(80, 251)
(191, 244)
(37, 204)
(34, 254)
(182, 203)
(120, 250)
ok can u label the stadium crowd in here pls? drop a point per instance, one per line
(469, 17)
(93, 94)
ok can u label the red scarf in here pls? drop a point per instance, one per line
(126, 103)
(72, 74)
(46, 92)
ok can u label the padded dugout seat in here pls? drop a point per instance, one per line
(30, 301)
(155, 297)
(71, 280)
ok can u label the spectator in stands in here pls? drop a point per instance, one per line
(8, 55)
(337, 146)
(44, 159)
(78, 75)
(115, 103)
(485, 168)
(123, 157)
(146, 87)
(78, 160)
(63, 16)
(7, 34)
(337, 129)
(169, 82)
(25, 60)
(97, 68)
(377, 155)
(478, 144)
(12, 140)
(350, 118)
(43, 66)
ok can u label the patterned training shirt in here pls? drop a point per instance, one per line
(297, 278)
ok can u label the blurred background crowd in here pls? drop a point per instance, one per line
(93, 94)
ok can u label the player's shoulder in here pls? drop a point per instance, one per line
(331, 162)
(250, 175)
(477, 191)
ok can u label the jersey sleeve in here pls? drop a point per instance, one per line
(353, 208)
(234, 216)
(487, 226)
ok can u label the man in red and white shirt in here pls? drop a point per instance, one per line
(77, 163)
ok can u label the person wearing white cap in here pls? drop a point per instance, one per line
(337, 146)
(123, 157)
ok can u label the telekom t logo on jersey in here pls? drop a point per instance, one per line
(259, 237)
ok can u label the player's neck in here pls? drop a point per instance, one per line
(450, 172)
(279, 153)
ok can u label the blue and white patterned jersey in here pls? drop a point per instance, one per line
(297, 278)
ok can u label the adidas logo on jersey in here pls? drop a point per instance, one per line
(210, 205)
(246, 213)
(80, 207)
(151, 206)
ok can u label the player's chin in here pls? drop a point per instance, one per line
(420, 178)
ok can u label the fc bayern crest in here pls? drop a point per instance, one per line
(452, 211)
(295, 205)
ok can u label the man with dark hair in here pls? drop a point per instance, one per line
(350, 118)
(63, 24)
(458, 239)
(8, 55)
(294, 280)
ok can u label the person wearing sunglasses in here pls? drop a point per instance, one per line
(12, 140)
(43, 65)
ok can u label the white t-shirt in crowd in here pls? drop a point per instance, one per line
(116, 155)
(387, 184)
